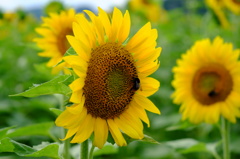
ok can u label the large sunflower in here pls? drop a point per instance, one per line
(233, 5)
(110, 93)
(53, 41)
(207, 82)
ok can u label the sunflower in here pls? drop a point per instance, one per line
(150, 9)
(207, 82)
(111, 92)
(217, 6)
(233, 5)
(53, 41)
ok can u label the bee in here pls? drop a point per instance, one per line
(136, 83)
(212, 93)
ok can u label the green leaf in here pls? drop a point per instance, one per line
(56, 111)
(4, 131)
(146, 138)
(43, 70)
(200, 147)
(212, 148)
(21, 149)
(55, 86)
(43, 150)
(182, 143)
(106, 150)
(189, 145)
(8, 145)
(70, 51)
(128, 139)
(182, 125)
(35, 129)
(110, 139)
(149, 140)
(46, 150)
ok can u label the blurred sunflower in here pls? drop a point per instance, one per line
(53, 41)
(9, 16)
(233, 5)
(217, 7)
(207, 82)
(150, 9)
(112, 89)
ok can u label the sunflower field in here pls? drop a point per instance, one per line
(152, 79)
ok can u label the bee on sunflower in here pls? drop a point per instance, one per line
(110, 92)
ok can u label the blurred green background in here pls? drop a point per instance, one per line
(182, 25)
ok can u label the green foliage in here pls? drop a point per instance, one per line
(70, 51)
(106, 150)
(35, 129)
(56, 111)
(30, 121)
(55, 86)
(43, 150)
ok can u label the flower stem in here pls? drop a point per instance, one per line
(67, 149)
(66, 143)
(84, 150)
(91, 152)
(225, 138)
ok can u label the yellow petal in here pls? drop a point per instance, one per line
(76, 96)
(79, 34)
(80, 117)
(116, 24)
(134, 123)
(116, 134)
(70, 133)
(140, 36)
(77, 84)
(148, 70)
(125, 28)
(76, 62)
(125, 127)
(145, 46)
(79, 47)
(100, 132)
(87, 27)
(148, 86)
(105, 21)
(59, 67)
(145, 103)
(77, 108)
(152, 56)
(54, 61)
(139, 111)
(69, 120)
(85, 130)
(98, 27)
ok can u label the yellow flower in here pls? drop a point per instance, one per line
(233, 5)
(53, 41)
(207, 82)
(150, 9)
(112, 89)
(9, 16)
(218, 8)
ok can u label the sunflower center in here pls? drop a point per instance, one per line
(62, 41)
(109, 82)
(236, 1)
(146, 2)
(211, 84)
